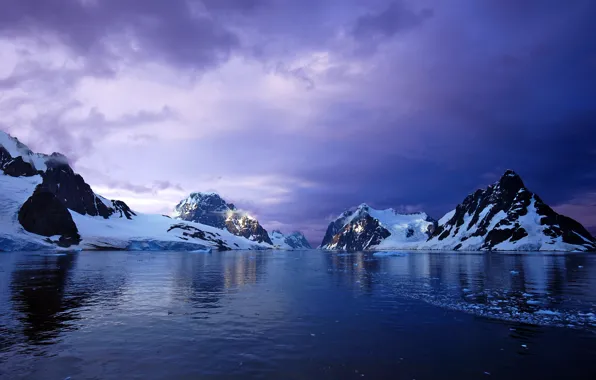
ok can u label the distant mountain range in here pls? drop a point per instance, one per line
(45, 205)
(212, 210)
(505, 216)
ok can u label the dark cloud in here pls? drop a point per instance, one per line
(394, 19)
(460, 91)
(110, 30)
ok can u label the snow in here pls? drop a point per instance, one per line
(464, 236)
(105, 201)
(398, 225)
(536, 239)
(17, 149)
(13, 193)
(447, 217)
(150, 232)
(144, 232)
(280, 241)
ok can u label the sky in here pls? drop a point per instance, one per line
(296, 110)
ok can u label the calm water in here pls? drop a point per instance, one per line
(297, 315)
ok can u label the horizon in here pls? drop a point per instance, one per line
(397, 104)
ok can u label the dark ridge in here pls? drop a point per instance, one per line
(43, 214)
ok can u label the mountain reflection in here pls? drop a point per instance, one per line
(48, 293)
(203, 280)
(353, 269)
(533, 279)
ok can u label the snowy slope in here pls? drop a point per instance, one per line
(142, 232)
(13, 193)
(293, 241)
(17, 149)
(506, 216)
(155, 232)
(101, 223)
(369, 228)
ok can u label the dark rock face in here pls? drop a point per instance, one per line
(122, 209)
(212, 210)
(72, 190)
(359, 235)
(242, 225)
(360, 229)
(15, 167)
(477, 216)
(19, 168)
(196, 233)
(297, 240)
(43, 214)
(4, 156)
(335, 227)
(205, 208)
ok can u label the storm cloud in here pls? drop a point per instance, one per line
(296, 110)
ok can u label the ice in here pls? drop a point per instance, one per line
(547, 312)
(390, 253)
(502, 304)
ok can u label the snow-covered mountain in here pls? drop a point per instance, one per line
(212, 210)
(507, 216)
(367, 228)
(293, 241)
(44, 204)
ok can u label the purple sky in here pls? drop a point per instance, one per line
(297, 110)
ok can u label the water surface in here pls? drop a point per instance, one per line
(296, 315)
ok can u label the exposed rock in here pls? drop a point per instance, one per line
(359, 235)
(368, 228)
(295, 240)
(15, 167)
(245, 226)
(197, 233)
(43, 214)
(334, 227)
(72, 190)
(204, 208)
(123, 209)
(508, 216)
(212, 210)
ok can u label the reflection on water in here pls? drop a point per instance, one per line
(295, 315)
(533, 288)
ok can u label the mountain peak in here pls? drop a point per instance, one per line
(211, 209)
(511, 182)
(294, 240)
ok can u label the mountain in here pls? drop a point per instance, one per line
(367, 228)
(293, 241)
(506, 216)
(45, 205)
(212, 210)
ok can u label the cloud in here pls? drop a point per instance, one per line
(273, 104)
(396, 18)
(108, 32)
